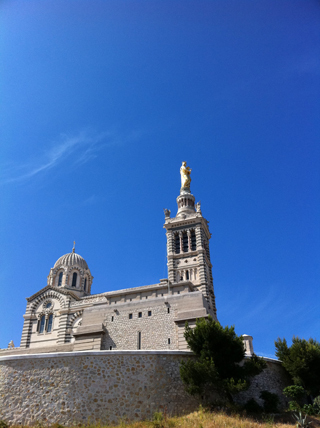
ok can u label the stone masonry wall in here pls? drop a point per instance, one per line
(107, 386)
(273, 379)
(156, 328)
(82, 387)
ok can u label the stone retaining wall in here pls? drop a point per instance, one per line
(82, 387)
(107, 386)
(273, 379)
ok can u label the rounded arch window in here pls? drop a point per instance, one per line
(60, 279)
(74, 279)
(49, 324)
(85, 284)
(42, 323)
(177, 243)
(185, 242)
(193, 240)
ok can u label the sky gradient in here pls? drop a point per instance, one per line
(100, 103)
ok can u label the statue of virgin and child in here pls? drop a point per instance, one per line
(185, 172)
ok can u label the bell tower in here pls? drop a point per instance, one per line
(188, 243)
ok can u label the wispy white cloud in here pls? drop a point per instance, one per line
(82, 146)
(267, 308)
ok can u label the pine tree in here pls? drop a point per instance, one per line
(220, 363)
(302, 362)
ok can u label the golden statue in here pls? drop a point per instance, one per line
(185, 172)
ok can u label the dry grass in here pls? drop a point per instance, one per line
(203, 419)
(206, 419)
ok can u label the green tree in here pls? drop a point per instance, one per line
(302, 362)
(219, 352)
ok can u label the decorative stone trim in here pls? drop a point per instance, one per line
(73, 318)
(48, 294)
(93, 299)
(98, 352)
(73, 268)
(50, 308)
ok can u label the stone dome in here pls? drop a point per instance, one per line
(71, 259)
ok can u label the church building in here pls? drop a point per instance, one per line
(65, 316)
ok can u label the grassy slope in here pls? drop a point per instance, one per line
(203, 419)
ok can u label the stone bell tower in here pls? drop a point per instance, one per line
(188, 243)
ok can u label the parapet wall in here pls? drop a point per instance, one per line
(90, 386)
(103, 386)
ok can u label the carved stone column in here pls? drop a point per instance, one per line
(170, 242)
(170, 269)
(198, 237)
(181, 242)
(189, 240)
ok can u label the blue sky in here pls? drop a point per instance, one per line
(102, 100)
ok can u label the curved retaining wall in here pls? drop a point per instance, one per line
(273, 379)
(91, 386)
(105, 386)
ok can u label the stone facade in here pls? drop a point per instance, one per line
(65, 316)
(82, 387)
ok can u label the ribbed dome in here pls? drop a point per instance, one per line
(71, 259)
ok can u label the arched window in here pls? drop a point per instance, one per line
(177, 243)
(42, 324)
(206, 247)
(185, 242)
(187, 274)
(74, 279)
(60, 279)
(85, 284)
(49, 325)
(193, 240)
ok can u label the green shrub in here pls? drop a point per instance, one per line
(316, 405)
(171, 423)
(271, 401)
(268, 419)
(296, 392)
(316, 401)
(293, 406)
(3, 424)
(158, 420)
(309, 409)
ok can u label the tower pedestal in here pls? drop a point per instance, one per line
(185, 203)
